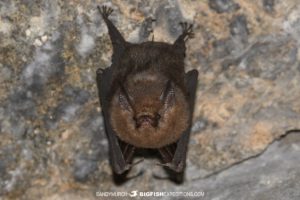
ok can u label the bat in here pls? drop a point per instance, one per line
(147, 99)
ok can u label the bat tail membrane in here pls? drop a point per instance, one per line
(116, 38)
(187, 32)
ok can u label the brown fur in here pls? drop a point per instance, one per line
(145, 89)
(154, 57)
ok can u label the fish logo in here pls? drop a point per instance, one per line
(133, 193)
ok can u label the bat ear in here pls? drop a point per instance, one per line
(124, 99)
(168, 95)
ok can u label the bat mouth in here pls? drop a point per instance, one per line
(146, 120)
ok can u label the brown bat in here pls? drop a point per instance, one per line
(147, 99)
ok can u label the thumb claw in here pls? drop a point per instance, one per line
(164, 164)
(137, 162)
(129, 166)
(177, 168)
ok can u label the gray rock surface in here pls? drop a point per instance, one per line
(244, 143)
(274, 174)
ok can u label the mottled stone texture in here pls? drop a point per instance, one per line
(245, 141)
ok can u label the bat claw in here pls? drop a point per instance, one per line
(105, 11)
(136, 163)
(135, 175)
(177, 168)
(187, 30)
(160, 164)
(128, 167)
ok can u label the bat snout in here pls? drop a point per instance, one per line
(146, 120)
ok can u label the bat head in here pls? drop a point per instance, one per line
(149, 111)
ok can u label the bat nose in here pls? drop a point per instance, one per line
(147, 120)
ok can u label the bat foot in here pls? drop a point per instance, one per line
(105, 11)
(187, 30)
(175, 167)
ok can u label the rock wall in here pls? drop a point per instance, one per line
(244, 142)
